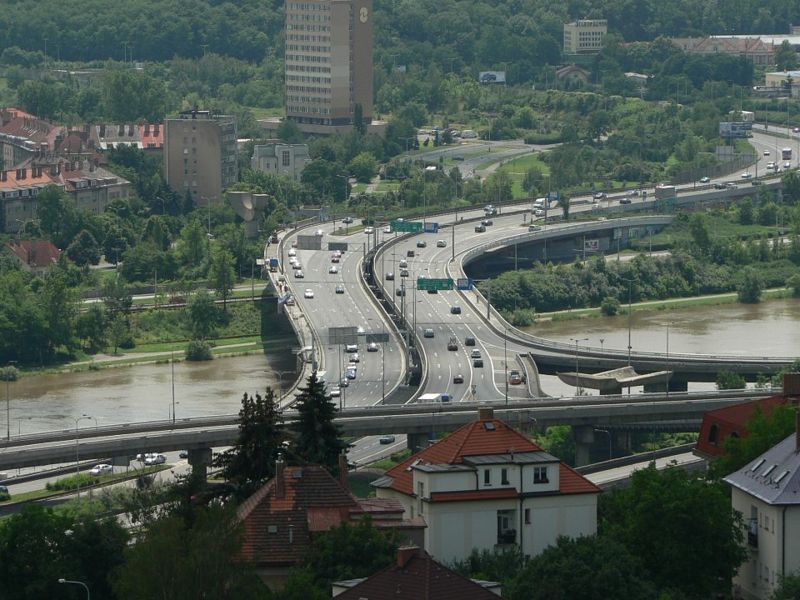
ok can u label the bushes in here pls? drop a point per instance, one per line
(199, 350)
(72, 483)
(521, 317)
(727, 380)
(610, 306)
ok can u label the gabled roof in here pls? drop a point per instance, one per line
(416, 576)
(30, 178)
(38, 254)
(278, 527)
(480, 438)
(773, 477)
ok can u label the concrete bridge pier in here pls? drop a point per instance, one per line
(200, 459)
(621, 441)
(416, 441)
(584, 439)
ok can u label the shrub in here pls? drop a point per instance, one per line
(4, 496)
(794, 283)
(71, 483)
(751, 286)
(609, 306)
(727, 380)
(522, 317)
(198, 350)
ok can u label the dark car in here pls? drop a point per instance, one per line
(421, 244)
(410, 254)
(480, 228)
(400, 292)
(487, 222)
(386, 439)
(469, 341)
(455, 310)
(390, 276)
(459, 378)
(488, 77)
(452, 344)
(719, 186)
(624, 200)
(478, 363)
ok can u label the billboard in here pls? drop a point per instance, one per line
(591, 245)
(734, 130)
(492, 77)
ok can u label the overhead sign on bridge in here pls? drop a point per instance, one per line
(427, 283)
(342, 335)
(377, 338)
(341, 246)
(406, 226)
(309, 242)
(431, 228)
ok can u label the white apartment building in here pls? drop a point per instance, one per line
(584, 36)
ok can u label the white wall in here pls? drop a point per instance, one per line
(444, 482)
(570, 515)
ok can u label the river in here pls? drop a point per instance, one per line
(144, 392)
(770, 328)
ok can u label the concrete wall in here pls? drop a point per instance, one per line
(572, 515)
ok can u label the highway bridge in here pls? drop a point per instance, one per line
(198, 435)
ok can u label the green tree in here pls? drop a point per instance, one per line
(700, 541)
(699, 231)
(130, 95)
(289, 132)
(750, 287)
(785, 57)
(581, 569)
(763, 432)
(746, 213)
(492, 565)
(363, 167)
(117, 298)
(90, 327)
(794, 283)
(118, 332)
(317, 437)
(200, 556)
(38, 546)
(58, 302)
(192, 247)
(84, 249)
(221, 273)
(58, 218)
(251, 460)
(788, 588)
(728, 380)
(564, 203)
(609, 306)
(532, 183)
(558, 441)
(203, 315)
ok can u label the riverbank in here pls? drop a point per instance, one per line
(659, 305)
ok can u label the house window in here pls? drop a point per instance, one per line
(506, 534)
(487, 477)
(713, 433)
(285, 158)
(504, 476)
(527, 516)
(540, 475)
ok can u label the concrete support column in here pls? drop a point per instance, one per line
(417, 441)
(621, 441)
(610, 390)
(200, 459)
(584, 438)
(661, 386)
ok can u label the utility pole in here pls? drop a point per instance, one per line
(577, 365)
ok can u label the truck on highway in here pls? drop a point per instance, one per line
(786, 154)
(428, 398)
(273, 264)
(665, 191)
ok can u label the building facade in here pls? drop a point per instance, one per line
(486, 487)
(584, 36)
(279, 158)
(328, 61)
(752, 48)
(200, 155)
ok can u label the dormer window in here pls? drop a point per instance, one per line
(487, 477)
(540, 475)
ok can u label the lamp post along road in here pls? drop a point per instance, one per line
(77, 451)
(577, 365)
(80, 583)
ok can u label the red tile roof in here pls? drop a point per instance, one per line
(277, 531)
(38, 254)
(475, 439)
(721, 423)
(9, 180)
(416, 576)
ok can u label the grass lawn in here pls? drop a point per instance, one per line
(516, 170)
(264, 113)
(388, 186)
(394, 460)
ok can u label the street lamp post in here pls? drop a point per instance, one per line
(505, 360)
(172, 366)
(577, 365)
(77, 451)
(630, 314)
(280, 375)
(80, 583)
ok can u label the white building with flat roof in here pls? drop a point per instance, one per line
(584, 36)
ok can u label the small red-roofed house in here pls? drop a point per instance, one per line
(416, 576)
(35, 255)
(487, 486)
(281, 519)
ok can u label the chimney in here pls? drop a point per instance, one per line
(280, 488)
(485, 414)
(103, 130)
(155, 129)
(405, 554)
(343, 470)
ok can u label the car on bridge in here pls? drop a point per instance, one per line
(441, 244)
(475, 353)
(299, 275)
(705, 179)
(766, 152)
(386, 439)
(477, 363)
(390, 276)
(487, 222)
(347, 220)
(335, 259)
(422, 244)
(403, 272)
(452, 344)
(458, 378)
(333, 270)
(101, 469)
(155, 459)
(534, 227)
(292, 252)
(369, 230)
(350, 373)
(746, 175)
(351, 348)
(480, 228)
(410, 254)
(469, 341)
(309, 293)
(354, 358)
(599, 195)
(719, 186)
(400, 292)
(428, 333)
(335, 393)
(372, 347)
(455, 309)
(515, 377)
(387, 229)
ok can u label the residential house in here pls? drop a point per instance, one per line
(487, 486)
(18, 191)
(24, 136)
(572, 75)
(283, 516)
(752, 48)
(731, 421)
(413, 576)
(279, 158)
(36, 256)
(767, 493)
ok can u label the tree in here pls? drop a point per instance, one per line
(785, 57)
(203, 315)
(221, 273)
(492, 565)
(289, 132)
(90, 327)
(117, 298)
(84, 249)
(794, 283)
(581, 569)
(199, 554)
(58, 302)
(363, 167)
(700, 540)
(699, 231)
(251, 460)
(763, 432)
(728, 380)
(38, 546)
(118, 332)
(317, 438)
(750, 287)
(746, 213)
(564, 203)
(609, 306)
(788, 588)
(130, 95)
(192, 247)
(533, 180)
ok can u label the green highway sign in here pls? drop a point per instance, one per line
(406, 226)
(425, 283)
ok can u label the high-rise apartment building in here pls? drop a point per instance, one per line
(328, 61)
(200, 154)
(584, 36)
